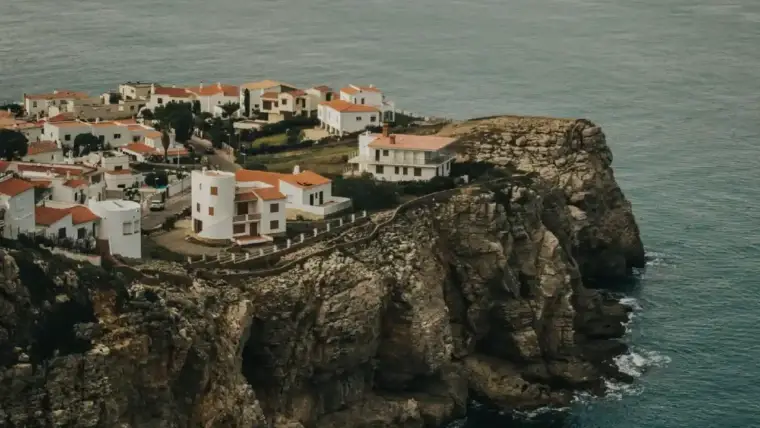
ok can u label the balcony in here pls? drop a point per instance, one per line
(246, 218)
(431, 159)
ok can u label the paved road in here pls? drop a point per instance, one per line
(175, 205)
(200, 147)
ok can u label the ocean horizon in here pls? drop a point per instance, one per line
(674, 85)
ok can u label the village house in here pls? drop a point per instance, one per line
(118, 175)
(16, 206)
(162, 95)
(135, 90)
(151, 145)
(31, 130)
(119, 226)
(257, 89)
(38, 104)
(213, 96)
(343, 117)
(43, 152)
(400, 157)
(371, 96)
(63, 182)
(62, 221)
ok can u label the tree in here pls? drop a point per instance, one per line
(196, 107)
(216, 133)
(146, 114)
(114, 98)
(16, 109)
(247, 102)
(201, 121)
(179, 116)
(229, 109)
(166, 141)
(157, 179)
(86, 143)
(13, 144)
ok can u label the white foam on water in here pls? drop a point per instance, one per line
(541, 411)
(636, 363)
(632, 303)
(655, 259)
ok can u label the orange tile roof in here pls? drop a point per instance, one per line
(264, 84)
(215, 89)
(61, 117)
(305, 179)
(120, 172)
(411, 142)
(270, 95)
(356, 89)
(81, 214)
(245, 196)
(38, 147)
(103, 124)
(4, 165)
(60, 170)
(47, 216)
(59, 94)
(6, 114)
(172, 92)
(323, 88)
(153, 134)
(295, 93)
(14, 186)
(271, 178)
(76, 183)
(347, 107)
(177, 151)
(139, 148)
(268, 193)
(69, 124)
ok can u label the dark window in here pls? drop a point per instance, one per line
(372, 118)
(62, 232)
(358, 118)
(385, 152)
(34, 104)
(378, 169)
(242, 208)
(210, 210)
(198, 207)
(396, 170)
(67, 137)
(362, 100)
(198, 226)
(122, 186)
(160, 100)
(417, 172)
(238, 228)
(117, 136)
(284, 102)
(406, 171)
(274, 224)
(214, 190)
(274, 208)
(118, 167)
(81, 232)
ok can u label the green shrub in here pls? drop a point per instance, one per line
(367, 193)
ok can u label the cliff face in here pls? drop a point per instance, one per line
(473, 293)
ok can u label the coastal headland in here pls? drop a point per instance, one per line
(479, 292)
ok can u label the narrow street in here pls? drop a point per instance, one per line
(175, 205)
(200, 147)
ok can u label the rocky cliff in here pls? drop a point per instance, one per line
(472, 293)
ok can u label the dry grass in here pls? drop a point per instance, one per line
(328, 160)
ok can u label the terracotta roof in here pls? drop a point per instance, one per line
(264, 84)
(59, 94)
(6, 114)
(69, 124)
(411, 142)
(81, 214)
(103, 124)
(245, 196)
(38, 147)
(353, 89)
(172, 92)
(139, 148)
(347, 107)
(120, 172)
(305, 179)
(215, 89)
(323, 88)
(14, 186)
(153, 134)
(271, 178)
(40, 184)
(60, 170)
(270, 95)
(268, 193)
(296, 93)
(4, 165)
(76, 183)
(177, 151)
(127, 122)
(61, 117)
(47, 216)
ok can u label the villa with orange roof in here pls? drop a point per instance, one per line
(370, 96)
(38, 104)
(213, 96)
(250, 207)
(342, 117)
(43, 151)
(16, 206)
(401, 157)
(256, 90)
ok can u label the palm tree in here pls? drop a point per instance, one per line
(165, 143)
(230, 108)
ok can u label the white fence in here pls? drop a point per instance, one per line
(232, 258)
(179, 186)
(337, 204)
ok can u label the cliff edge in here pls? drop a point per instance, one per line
(474, 292)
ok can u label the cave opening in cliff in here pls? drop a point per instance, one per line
(256, 365)
(57, 331)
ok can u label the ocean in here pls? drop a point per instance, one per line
(675, 85)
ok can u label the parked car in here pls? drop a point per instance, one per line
(210, 151)
(157, 205)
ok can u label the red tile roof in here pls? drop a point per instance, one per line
(347, 107)
(411, 142)
(47, 216)
(59, 170)
(268, 193)
(81, 214)
(62, 117)
(139, 148)
(14, 186)
(120, 172)
(4, 165)
(215, 89)
(76, 183)
(172, 92)
(245, 196)
(58, 94)
(271, 178)
(356, 89)
(270, 95)
(323, 88)
(305, 179)
(38, 147)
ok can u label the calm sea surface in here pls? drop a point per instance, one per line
(674, 83)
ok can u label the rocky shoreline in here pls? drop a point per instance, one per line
(477, 293)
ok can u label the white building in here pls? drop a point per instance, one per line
(16, 206)
(215, 95)
(66, 183)
(31, 130)
(38, 104)
(399, 157)
(120, 226)
(371, 96)
(58, 220)
(135, 90)
(161, 95)
(112, 133)
(43, 152)
(342, 117)
(65, 132)
(257, 89)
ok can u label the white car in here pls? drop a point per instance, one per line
(157, 205)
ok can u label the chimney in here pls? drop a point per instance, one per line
(386, 129)
(219, 85)
(68, 175)
(201, 87)
(152, 88)
(393, 139)
(296, 170)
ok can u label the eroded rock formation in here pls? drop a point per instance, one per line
(473, 293)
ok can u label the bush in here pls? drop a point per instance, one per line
(419, 188)
(367, 193)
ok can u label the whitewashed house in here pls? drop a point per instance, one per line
(112, 133)
(61, 220)
(343, 117)
(135, 90)
(16, 206)
(38, 104)
(119, 226)
(43, 152)
(31, 130)
(215, 95)
(400, 157)
(65, 132)
(162, 95)
(371, 96)
(257, 89)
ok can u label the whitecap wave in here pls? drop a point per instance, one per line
(657, 259)
(636, 363)
(540, 412)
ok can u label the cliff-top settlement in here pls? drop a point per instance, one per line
(472, 293)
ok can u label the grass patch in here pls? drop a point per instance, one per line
(271, 140)
(328, 160)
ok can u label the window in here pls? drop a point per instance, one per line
(362, 100)
(284, 101)
(198, 226)
(160, 100)
(118, 167)
(372, 118)
(396, 170)
(122, 186)
(417, 172)
(378, 169)
(214, 190)
(96, 178)
(132, 108)
(135, 139)
(34, 104)
(274, 225)
(200, 186)
(274, 208)
(255, 106)
(126, 228)
(385, 152)
(117, 136)
(137, 226)
(67, 137)
(210, 210)
(62, 232)
(406, 171)
(242, 208)
(198, 207)
(81, 232)
(238, 229)
(358, 118)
